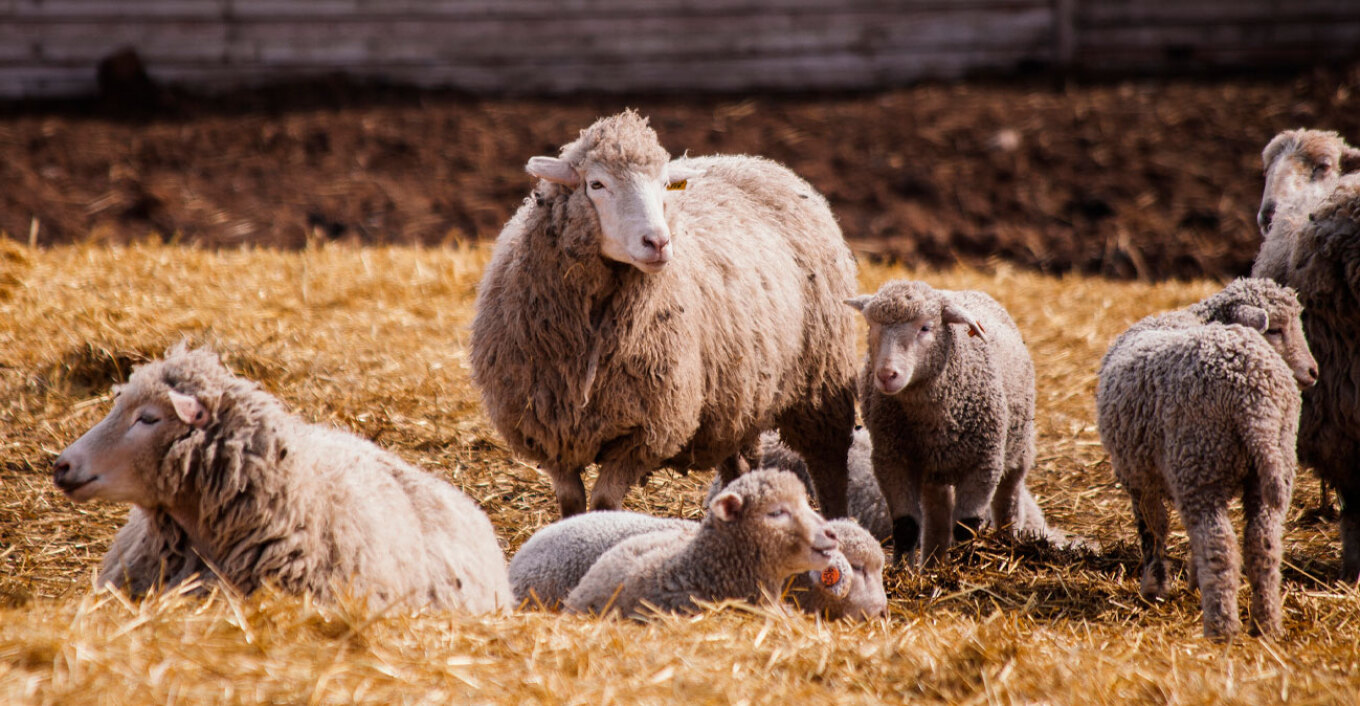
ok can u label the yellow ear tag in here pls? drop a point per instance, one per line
(677, 185)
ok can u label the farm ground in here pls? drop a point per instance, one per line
(374, 339)
(1150, 179)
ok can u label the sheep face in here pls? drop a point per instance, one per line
(1272, 309)
(770, 509)
(1285, 334)
(908, 340)
(119, 458)
(867, 597)
(1303, 164)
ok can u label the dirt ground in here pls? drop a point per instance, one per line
(1152, 179)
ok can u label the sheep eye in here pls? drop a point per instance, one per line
(781, 512)
(925, 328)
(1321, 170)
(148, 418)
(596, 185)
(1274, 332)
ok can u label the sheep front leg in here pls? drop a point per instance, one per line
(570, 490)
(1213, 548)
(937, 505)
(617, 476)
(974, 499)
(1349, 492)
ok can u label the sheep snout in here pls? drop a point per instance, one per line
(1265, 216)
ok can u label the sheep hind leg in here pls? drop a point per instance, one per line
(1213, 548)
(611, 486)
(569, 489)
(1262, 544)
(822, 435)
(1149, 510)
(1349, 493)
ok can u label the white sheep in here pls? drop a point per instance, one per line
(758, 532)
(1302, 168)
(226, 483)
(545, 570)
(947, 394)
(1325, 271)
(640, 313)
(1200, 412)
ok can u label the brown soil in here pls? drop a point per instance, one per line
(1139, 179)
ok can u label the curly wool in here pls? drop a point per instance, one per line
(1325, 270)
(305, 507)
(583, 361)
(1200, 414)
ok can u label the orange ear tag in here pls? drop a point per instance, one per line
(677, 185)
(831, 576)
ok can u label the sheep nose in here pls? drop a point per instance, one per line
(887, 375)
(60, 468)
(830, 534)
(657, 240)
(1266, 215)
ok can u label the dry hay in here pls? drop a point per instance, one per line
(375, 340)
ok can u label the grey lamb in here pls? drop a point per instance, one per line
(641, 313)
(758, 532)
(947, 394)
(227, 484)
(1201, 412)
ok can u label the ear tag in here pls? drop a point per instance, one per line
(972, 333)
(836, 578)
(677, 185)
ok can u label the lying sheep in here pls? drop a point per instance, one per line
(552, 562)
(758, 532)
(641, 313)
(1302, 167)
(951, 415)
(225, 481)
(1203, 412)
(1325, 269)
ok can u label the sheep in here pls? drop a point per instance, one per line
(552, 562)
(1301, 167)
(1200, 412)
(951, 416)
(226, 483)
(758, 532)
(641, 313)
(1323, 269)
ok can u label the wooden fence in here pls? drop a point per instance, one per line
(51, 47)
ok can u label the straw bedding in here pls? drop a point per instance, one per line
(374, 339)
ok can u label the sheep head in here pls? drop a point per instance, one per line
(1303, 165)
(864, 597)
(909, 338)
(1268, 307)
(770, 511)
(619, 166)
(120, 458)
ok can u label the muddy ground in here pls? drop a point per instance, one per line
(1147, 178)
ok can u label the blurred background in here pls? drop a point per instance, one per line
(1119, 137)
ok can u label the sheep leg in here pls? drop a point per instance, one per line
(570, 490)
(974, 498)
(902, 489)
(822, 435)
(1263, 548)
(937, 504)
(1349, 493)
(1149, 510)
(1213, 548)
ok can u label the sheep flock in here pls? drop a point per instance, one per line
(644, 315)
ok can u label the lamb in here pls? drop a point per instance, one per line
(1302, 167)
(951, 416)
(640, 312)
(552, 562)
(1325, 270)
(1201, 412)
(226, 483)
(757, 533)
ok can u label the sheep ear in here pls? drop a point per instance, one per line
(189, 410)
(676, 172)
(552, 169)
(1350, 160)
(726, 507)
(858, 303)
(1275, 147)
(1252, 317)
(955, 314)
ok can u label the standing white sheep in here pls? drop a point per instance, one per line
(1200, 412)
(1325, 270)
(641, 313)
(947, 394)
(1302, 168)
(226, 483)
(758, 532)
